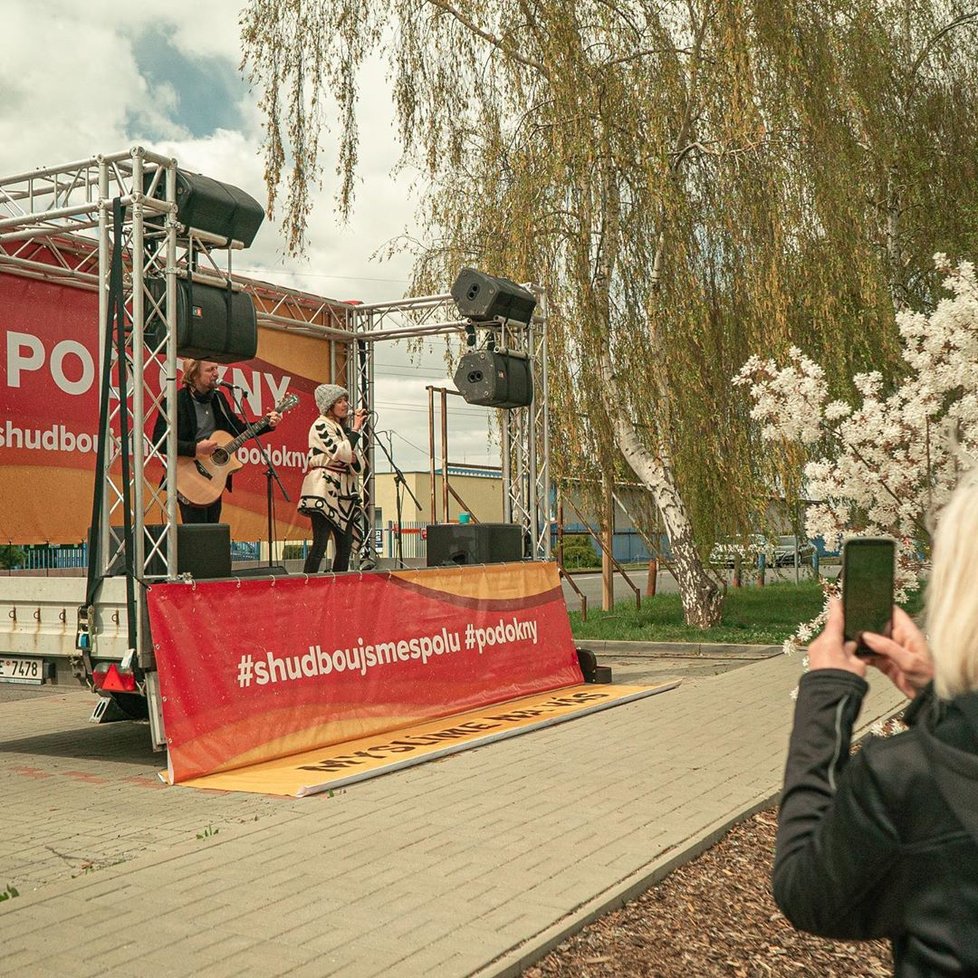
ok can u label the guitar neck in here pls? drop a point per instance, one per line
(256, 426)
(235, 443)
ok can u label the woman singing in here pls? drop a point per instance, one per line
(329, 491)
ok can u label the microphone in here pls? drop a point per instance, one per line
(230, 387)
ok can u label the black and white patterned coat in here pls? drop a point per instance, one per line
(335, 466)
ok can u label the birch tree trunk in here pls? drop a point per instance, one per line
(701, 595)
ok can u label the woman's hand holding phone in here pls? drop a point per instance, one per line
(904, 657)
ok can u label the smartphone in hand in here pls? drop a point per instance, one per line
(867, 588)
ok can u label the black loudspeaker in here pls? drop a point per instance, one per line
(483, 298)
(590, 670)
(473, 543)
(213, 323)
(212, 206)
(495, 378)
(203, 550)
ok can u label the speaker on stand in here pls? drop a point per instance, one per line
(213, 322)
(491, 377)
(487, 298)
(495, 378)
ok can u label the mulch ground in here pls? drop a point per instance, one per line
(713, 916)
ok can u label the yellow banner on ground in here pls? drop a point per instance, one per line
(355, 760)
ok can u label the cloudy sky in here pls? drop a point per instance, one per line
(80, 79)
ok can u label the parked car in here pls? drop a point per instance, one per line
(784, 551)
(726, 552)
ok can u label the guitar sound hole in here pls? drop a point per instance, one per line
(220, 456)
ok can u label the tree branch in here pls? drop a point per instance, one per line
(497, 42)
(931, 43)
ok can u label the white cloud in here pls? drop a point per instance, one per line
(71, 90)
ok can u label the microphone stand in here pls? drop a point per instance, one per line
(270, 473)
(399, 485)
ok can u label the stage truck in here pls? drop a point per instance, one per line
(112, 269)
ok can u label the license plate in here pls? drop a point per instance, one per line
(21, 670)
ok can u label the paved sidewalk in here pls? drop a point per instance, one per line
(474, 865)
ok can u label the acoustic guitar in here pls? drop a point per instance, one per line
(200, 481)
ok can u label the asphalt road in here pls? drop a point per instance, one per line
(590, 583)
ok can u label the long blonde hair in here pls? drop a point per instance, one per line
(952, 593)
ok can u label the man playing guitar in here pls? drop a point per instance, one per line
(203, 410)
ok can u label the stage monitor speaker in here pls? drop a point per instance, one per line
(212, 206)
(203, 550)
(495, 378)
(473, 543)
(213, 323)
(483, 298)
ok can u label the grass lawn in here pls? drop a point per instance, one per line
(751, 616)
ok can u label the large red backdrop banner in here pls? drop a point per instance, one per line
(49, 397)
(252, 670)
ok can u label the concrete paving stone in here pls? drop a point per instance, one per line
(62, 964)
(265, 959)
(126, 951)
(370, 891)
(406, 957)
(305, 903)
(431, 960)
(282, 880)
(488, 903)
(214, 916)
(263, 923)
(431, 918)
(366, 965)
(316, 969)
(34, 915)
(81, 928)
(258, 902)
(315, 927)
(70, 943)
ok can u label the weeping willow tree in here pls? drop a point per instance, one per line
(692, 181)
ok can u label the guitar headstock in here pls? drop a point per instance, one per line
(287, 403)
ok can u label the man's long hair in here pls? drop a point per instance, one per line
(191, 373)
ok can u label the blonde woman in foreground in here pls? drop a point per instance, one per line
(885, 843)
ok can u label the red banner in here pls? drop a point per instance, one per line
(253, 670)
(49, 365)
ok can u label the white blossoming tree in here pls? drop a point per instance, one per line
(886, 465)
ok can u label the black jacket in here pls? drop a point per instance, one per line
(883, 843)
(225, 420)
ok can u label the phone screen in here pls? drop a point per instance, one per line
(867, 586)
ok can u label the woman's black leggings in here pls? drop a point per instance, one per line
(322, 530)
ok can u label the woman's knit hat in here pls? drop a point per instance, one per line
(327, 395)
